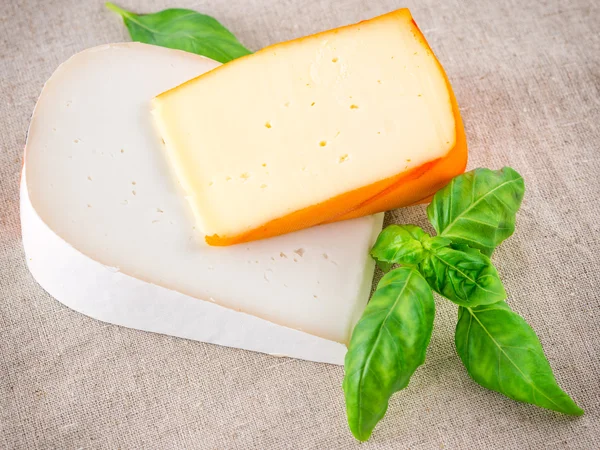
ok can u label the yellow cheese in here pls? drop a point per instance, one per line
(303, 122)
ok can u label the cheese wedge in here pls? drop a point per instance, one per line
(341, 124)
(107, 231)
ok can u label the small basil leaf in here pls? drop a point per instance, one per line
(434, 242)
(387, 345)
(183, 29)
(468, 278)
(384, 266)
(399, 244)
(478, 208)
(502, 352)
(464, 248)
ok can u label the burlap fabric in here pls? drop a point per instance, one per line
(527, 78)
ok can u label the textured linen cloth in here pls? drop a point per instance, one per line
(527, 78)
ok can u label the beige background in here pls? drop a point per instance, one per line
(527, 77)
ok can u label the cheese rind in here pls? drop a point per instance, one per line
(307, 131)
(107, 230)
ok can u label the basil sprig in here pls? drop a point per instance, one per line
(183, 29)
(500, 351)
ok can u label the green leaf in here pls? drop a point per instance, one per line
(183, 29)
(384, 266)
(434, 242)
(478, 208)
(387, 345)
(463, 275)
(502, 352)
(399, 244)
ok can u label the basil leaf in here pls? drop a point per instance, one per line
(183, 29)
(502, 352)
(387, 345)
(478, 208)
(384, 266)
(399, 244)
(464, 276)
(435, 242)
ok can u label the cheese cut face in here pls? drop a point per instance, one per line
(107, 230)
(300, 123)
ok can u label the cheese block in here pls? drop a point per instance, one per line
(107, 230)
(344, 123)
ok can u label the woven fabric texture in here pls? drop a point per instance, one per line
(527, 78)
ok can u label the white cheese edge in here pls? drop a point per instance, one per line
(105, 294)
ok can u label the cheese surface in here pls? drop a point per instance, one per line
(306, 121)
(106, 226)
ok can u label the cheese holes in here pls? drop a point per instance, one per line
(334, 60)
(323, 143)
(353, 106)
(268, 125)
(343, 158)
